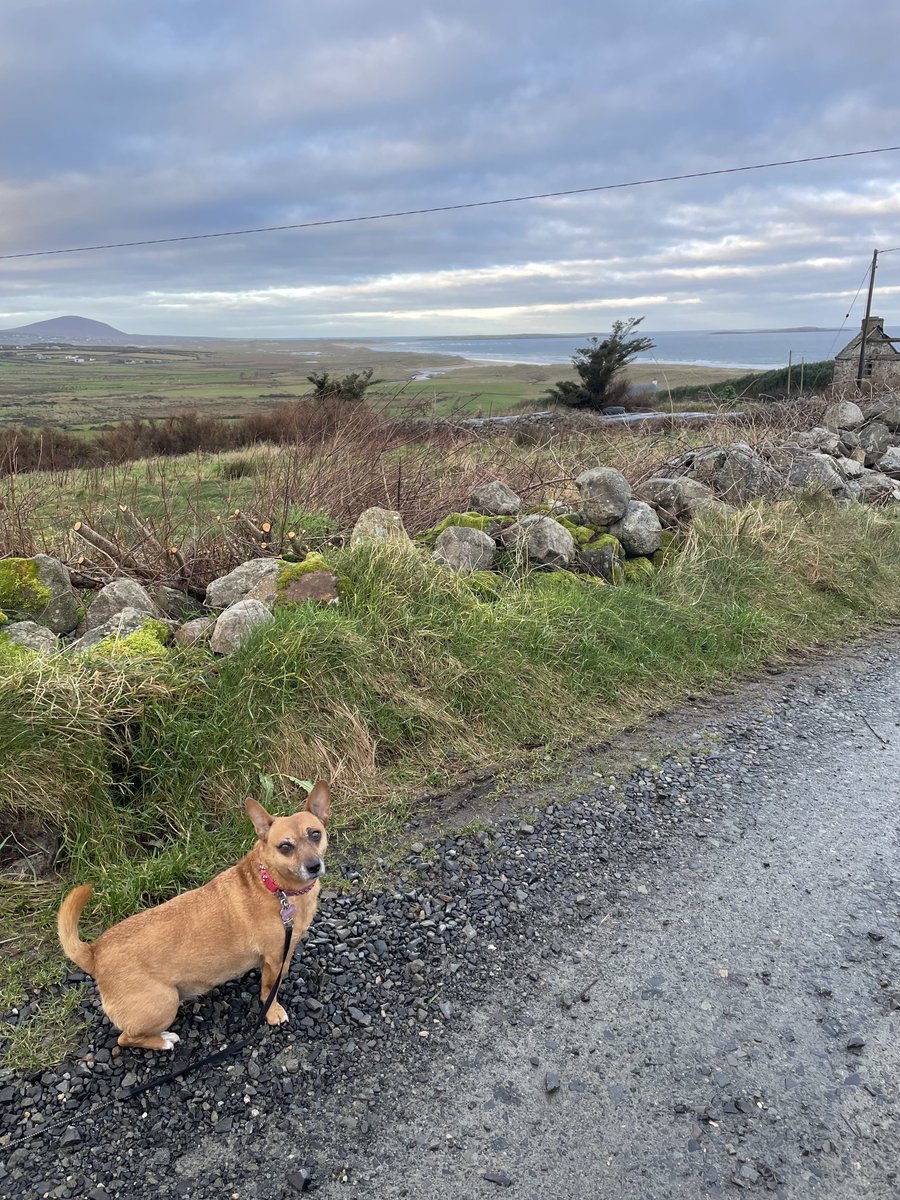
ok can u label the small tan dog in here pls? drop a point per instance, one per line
(147, 964)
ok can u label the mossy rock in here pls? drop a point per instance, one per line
(148, 642)
(638, 570)
(21, 590)
(485, 585)
(601, 539)
(581, 534)
(563, 580)
(3, 617)
(602, 556)
(465, 520)
(313, 563)
(12, 655)
(671, 544)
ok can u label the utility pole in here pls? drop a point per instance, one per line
(790, 359)
(860, 371)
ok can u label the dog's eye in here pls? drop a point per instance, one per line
(315, 835)
(286, 847)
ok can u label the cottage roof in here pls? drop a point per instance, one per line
(876, 337)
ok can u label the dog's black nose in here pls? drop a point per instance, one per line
(314, 866)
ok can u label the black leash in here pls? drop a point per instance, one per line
(66, 1118)
(209, 1060)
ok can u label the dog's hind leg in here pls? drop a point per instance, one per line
(144, 1018)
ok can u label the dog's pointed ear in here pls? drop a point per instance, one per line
(319, 802)
(262, 822)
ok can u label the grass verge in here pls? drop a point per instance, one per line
(140, 768)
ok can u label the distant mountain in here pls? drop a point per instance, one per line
(66, 329)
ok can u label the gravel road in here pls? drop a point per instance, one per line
(685, 983)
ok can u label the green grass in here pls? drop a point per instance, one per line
(49, 1034)
(232, 379)
(814, 375)
(141, 767)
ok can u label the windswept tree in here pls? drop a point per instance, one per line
(599, 367)
(347, 387)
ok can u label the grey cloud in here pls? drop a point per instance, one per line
(155, 119)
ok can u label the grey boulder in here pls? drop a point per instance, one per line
(380, 526)
(114, 598)
(195, 632)
(236, 623)
(885, 409)
(849, 467)
(234, 586)
(129, 620)
(736, 473)
(844, 415)
(815, 470)
(639, 530)
(889, 462)
(604, 493)
(874, 439)
(875, 485)
(60, 610)
(175, 603)
(494, 499)
(541, 540)
(675, 499)
(32, 636)
(464, 549)
(821, 439)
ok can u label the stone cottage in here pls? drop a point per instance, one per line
(882, 365)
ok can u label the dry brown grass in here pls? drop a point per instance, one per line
(318, 486)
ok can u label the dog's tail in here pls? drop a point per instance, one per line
(67, 924)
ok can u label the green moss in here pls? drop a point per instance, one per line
(485, 584)
(313, 562)
(21, 591)
(147, 642)
(3, 617)
(561, 580)
(582, 534)
(11, 653)
(671, 544)
(637, 570)
(603, 541)
(289, 574)
(466, 520)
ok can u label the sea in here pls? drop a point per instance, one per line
(750, 349)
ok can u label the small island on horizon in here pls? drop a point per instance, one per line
(782, 329)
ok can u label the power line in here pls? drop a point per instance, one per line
(416, 212)
(848, 312)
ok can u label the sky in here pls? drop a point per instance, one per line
(156, 119)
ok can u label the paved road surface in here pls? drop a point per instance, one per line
(740, 1034)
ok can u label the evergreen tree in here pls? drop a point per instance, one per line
(599, 367)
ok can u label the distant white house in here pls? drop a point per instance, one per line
(882, 361)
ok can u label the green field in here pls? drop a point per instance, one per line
(41, 387)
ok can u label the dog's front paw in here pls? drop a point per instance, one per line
(276, 1015)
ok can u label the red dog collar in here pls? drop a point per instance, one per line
(276, 889)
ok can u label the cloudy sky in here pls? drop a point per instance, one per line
(155, 119)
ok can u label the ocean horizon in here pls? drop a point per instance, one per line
(750, 350)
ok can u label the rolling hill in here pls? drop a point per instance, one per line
(66, 329)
